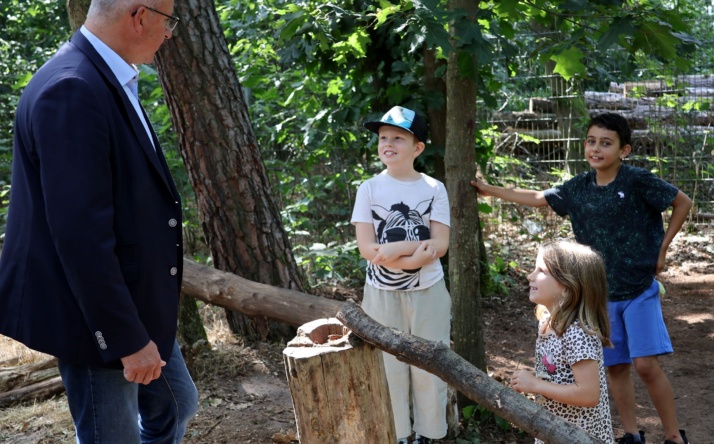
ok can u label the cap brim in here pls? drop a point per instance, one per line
(376, 125)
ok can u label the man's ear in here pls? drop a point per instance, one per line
(138, 17)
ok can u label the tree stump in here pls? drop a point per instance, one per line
(338, 386)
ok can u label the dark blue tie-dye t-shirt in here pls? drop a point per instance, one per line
(622, 220)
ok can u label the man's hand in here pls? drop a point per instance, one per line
(143, 366)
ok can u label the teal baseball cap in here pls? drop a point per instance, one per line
(403, 118)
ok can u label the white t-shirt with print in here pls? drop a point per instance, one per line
(402, 211)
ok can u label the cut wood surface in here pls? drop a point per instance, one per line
(227, 290)
(338, 386)
(440, 360)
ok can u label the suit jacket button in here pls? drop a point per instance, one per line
(172, 223)
(173, 271)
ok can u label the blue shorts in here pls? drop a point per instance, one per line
(637, 328)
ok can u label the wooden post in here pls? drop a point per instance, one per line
(338, 386)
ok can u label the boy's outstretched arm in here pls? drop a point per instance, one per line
(530, 198)
(680, 210)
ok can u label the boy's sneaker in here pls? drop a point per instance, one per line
(629, 438)
(684, 438)
(403, 441)
(418, 439)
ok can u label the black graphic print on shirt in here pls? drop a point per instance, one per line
(400, 223)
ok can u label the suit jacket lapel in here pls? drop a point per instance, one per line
(158, 154)
(135, 122)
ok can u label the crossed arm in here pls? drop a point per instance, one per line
(405, 255)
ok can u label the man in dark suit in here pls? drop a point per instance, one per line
(92, 262)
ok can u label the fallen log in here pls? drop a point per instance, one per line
(14, 377)
(36, 381)
(440, 360)
(41, 390)
(227, 290)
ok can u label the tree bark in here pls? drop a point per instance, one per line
(338, 386)
(435, 86)
(190, 325)
(234, 293)
(440, 360)
(464, 251)
(77, 12)
(240, 219)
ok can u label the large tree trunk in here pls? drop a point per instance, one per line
(464, 251)
(77, 12)
(435, 86)
(240, 219)
(440, 360)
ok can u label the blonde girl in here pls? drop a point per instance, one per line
(569, 285)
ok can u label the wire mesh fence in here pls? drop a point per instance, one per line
(541, 129)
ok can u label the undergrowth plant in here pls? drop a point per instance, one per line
(474, 418)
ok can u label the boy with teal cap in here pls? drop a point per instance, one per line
(402, 221)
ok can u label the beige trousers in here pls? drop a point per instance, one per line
(425, 313)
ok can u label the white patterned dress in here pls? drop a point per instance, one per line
(554, 358)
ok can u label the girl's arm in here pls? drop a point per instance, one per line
(529, 198)
(585, 392)
(680, 210)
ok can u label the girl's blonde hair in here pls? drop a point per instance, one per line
(582, 272)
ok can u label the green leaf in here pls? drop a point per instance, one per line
(502, 423)
(386, 10)
(485, 208)
(657, 38)
(508, 8)
(569, 63)
(621, 26)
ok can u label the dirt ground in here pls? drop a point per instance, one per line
(244, 396)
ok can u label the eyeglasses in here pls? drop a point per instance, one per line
(171, 21)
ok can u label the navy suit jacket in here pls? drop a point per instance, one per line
(92, 261)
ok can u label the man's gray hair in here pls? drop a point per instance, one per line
(107, 11)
